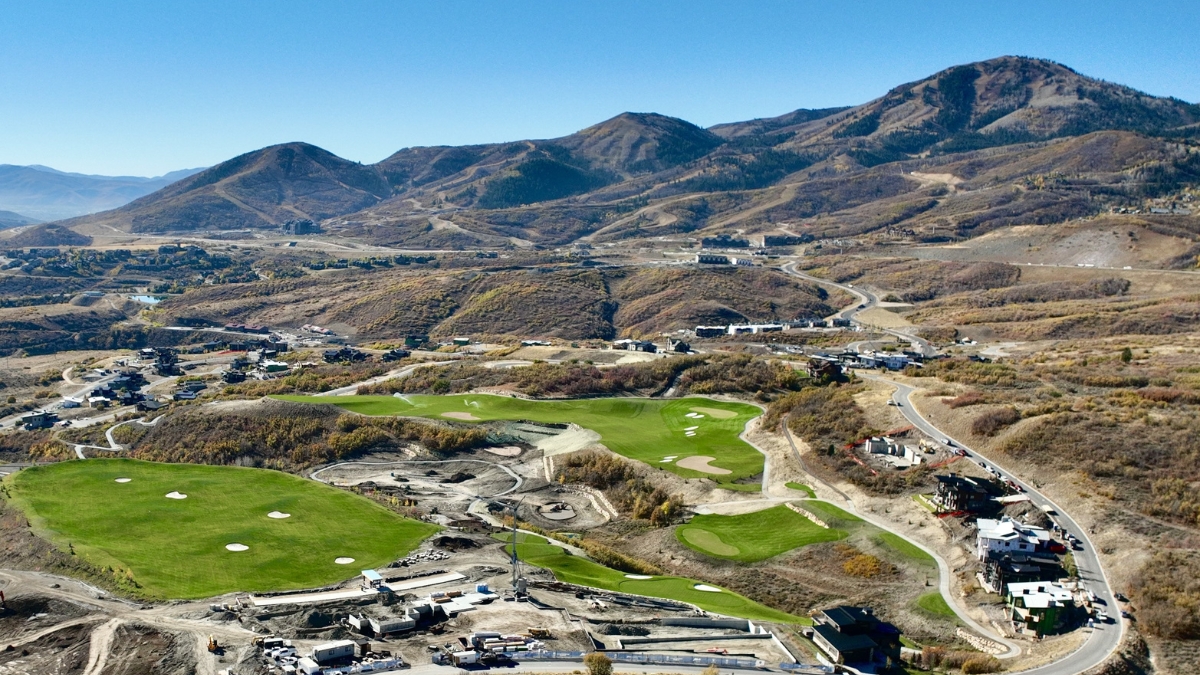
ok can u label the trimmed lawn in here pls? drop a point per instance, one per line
(751, 537)
(935, 605)
(539, 552)
(802, 488)
(905, 549)
(833, 515)
(175, 548)
(648, 430)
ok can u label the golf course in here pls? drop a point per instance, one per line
(751, 537)
(193, 531)
(692, 437)
(539, 552)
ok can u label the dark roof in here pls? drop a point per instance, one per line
(841, 641)
(960, 483)
(845, 616)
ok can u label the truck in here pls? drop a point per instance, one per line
(464, 658)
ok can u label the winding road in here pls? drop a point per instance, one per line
(1104, 638)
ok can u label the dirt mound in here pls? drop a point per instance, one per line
(622, 629)
(459, 477)
(452, 543)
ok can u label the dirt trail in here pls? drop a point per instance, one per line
(102, 638)
(34, 637)
(788, 194)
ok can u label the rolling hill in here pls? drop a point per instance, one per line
(1007, 141)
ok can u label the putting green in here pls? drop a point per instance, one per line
(177, 548)
(708, 541)
(751, 537)
(638, 428)
(539, 552)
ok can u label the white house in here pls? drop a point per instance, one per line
(1007, 536)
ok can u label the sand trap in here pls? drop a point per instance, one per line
(176, 495)
(706, 588)
(690, 433)
(670, 458)
(691, 428)
(691, 415)
(506, 451)
(700, 463)
(638, 576)
(461, 416)
(344, 561)
(279, 515)
(236, 547)
(124, 480)
(717, 413)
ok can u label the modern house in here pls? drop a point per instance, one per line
(854, 635)
(711, 259)
(1039, 607)
(960, 494)
(1006, 535)
(1002, 569)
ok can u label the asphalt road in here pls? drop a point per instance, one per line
(1104, 638)
(867, 300)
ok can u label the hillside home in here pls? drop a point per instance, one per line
(960, 494)
(1006, 535)
(1039, 607)
(854, 635)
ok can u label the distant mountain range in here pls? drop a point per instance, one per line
(41, 193)
(925, 158)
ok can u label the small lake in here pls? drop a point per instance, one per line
(148, 299)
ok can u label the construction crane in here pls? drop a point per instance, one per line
(518, 581)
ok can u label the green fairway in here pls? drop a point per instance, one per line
(906, 550)
(935, 605)
(539, 552)
(176, 548)
(649, 430)
(802, 488)
(751, 537)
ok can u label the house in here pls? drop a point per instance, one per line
(711, 259)
(960, 494)
(743, 262)
(771, 240)
(678, 346)
(1002, 569)
(724, 241)
(150, 406)
(1008, 536)
(905, 455)
(233, 376)
(710, 331)
(824, 369)
(39, 419)
(1039, 607)
(854, 635)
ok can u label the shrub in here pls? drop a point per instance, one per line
(598, 664)
(992, 421)
(981, 664)
(969, 398)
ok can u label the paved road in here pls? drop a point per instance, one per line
(867, 300)
(1104, 639)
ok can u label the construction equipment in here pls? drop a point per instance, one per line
(539, 633)
(212, 644)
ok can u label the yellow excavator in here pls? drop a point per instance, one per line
(212, 644)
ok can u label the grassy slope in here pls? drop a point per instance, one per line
(176, 548)
(802, 488)
(572, 569)
(643, 429)
(935, 605)
(751, 537)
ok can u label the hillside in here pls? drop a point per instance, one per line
(1004, 142)
(11, 219)
(256, 190)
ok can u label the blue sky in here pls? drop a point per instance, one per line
(143, 88)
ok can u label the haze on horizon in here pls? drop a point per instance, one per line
(144, 88)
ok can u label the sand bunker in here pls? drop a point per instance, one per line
(279, 515)
(638, 576)
(691, 428)
(344, 561)
(461, 416)
(236, 547)
(124, 480)
(506, 451)
(690, 434)
(717, 413)
(706, 588)
(670, 458)
(700, 463)
(176, 495)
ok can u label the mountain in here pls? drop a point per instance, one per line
(925, 159)
(48, 194)
(263, 188)
(11, 219)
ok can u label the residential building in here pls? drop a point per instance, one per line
(1008, 536)
(960, 494)
(711, 259)
(710, 331)
(854, 635)
(1002, 569)
(1039, 607)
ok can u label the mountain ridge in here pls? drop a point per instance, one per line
(550, 191)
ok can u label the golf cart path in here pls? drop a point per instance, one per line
(113, 445)
(351, 389)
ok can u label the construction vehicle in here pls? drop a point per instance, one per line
(539, 633)
(212, 645)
